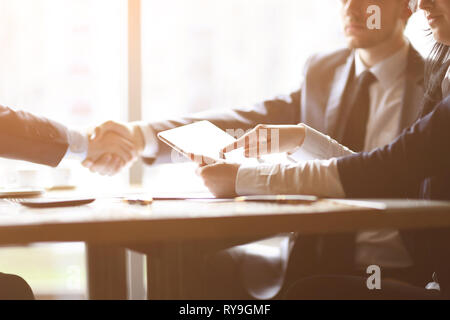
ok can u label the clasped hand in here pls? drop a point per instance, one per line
(112, 146)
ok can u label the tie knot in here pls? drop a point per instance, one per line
(366, 79)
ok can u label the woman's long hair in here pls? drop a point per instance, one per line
(435, 69)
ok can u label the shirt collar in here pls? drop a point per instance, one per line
(388, 70)
(446, 84)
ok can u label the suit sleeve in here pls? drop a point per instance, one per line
(280, 110)
(422, 151)
(24, 136)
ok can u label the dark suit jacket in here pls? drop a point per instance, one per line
(421, 154)
(24, 136)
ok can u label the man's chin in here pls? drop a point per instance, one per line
(358, 43)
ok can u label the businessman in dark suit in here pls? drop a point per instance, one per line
(381, 65)
(24, 136)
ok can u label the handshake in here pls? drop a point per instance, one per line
(112, 146)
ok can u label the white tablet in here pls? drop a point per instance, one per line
(200, 138)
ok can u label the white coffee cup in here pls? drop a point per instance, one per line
(61, 177)
(29, 179)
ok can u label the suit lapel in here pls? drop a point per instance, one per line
(339, 85)
(413, 96)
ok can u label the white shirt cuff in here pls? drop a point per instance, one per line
(78, 145)
(151, 140)
(253, 179)
(319, 177)
(318, 146)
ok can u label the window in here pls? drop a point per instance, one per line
(65, 59)
(202, 54)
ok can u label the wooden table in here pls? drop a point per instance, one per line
(171, 231)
